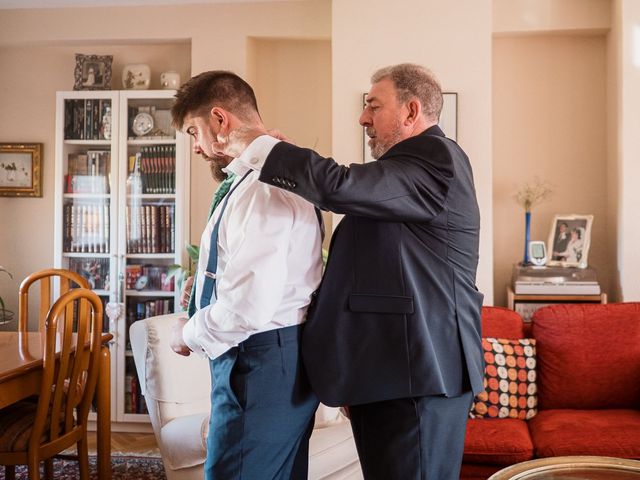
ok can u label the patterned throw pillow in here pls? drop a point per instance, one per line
(509, 380)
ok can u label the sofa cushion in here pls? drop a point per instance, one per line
(498, 441)
(183, 441)
(500, 322)
(588, 356)
(609, 433)
(509, 380)
(333, 454)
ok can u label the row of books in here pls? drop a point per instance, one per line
(94, 270)
(138, 309)
(157, 168)
(88, 172)
(150, 228)
(148, 277)
(85, 119)
(86, 227)
(134, 401)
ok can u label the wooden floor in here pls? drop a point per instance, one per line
(142, 444)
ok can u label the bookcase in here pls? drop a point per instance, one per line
(121, 214)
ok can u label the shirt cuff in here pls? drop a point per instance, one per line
(189, 337)
(256, 153)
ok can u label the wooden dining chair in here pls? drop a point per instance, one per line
(34, 432)
(46, 279)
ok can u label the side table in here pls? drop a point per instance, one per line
(526, 304)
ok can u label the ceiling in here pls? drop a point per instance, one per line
(6, 4)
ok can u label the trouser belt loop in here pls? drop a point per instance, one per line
(280, 341)
(241, 346)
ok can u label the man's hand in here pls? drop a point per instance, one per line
(177, 341)
(186, 292)
(236, 141)
(280, 136)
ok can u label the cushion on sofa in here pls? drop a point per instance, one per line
(498, 441)
(610, 433)
(184, 440)
(500, 322)
(509, 380)
(588, 356)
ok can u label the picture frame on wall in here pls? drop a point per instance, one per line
(21, 170)
(448, 122)
(92, 72)
(569, 240)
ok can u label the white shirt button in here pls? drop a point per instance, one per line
(253, 160)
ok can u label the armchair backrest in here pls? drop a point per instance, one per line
(173, 385)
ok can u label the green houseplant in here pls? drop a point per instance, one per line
(5, 315)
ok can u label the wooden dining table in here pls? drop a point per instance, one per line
(21, 374)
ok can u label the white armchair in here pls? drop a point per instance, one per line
(177, 390)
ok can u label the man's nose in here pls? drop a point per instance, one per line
(365, 119)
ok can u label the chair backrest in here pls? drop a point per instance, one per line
(70, 367)
(46, 279)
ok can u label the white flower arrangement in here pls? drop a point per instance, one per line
(533, 193)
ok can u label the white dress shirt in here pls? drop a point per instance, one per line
(269, 264)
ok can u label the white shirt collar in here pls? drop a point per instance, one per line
(237, 166)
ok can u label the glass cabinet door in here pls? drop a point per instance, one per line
(149, 239)
(86, 235)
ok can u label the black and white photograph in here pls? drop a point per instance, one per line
(569, 240)
(92, 72)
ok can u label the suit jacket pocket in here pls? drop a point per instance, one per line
(380, 303)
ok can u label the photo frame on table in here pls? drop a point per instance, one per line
(448, 122)
(21, 169)
(569, 240)
(92, 72)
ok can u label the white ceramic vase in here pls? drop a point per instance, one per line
(170, 80)
(136, 76)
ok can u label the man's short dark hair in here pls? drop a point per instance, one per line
(217, 88)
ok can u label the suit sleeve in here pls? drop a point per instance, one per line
(410, 183)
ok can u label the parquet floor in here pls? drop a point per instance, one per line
(142, 444)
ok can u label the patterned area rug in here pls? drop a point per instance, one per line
(123, 468)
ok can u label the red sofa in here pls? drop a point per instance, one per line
(588, 385)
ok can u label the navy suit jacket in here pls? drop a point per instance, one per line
(398, 313)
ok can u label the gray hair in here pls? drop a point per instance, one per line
(413, 80)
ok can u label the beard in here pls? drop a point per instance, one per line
(379, 147)
(216, 164)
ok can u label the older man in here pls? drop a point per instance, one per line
(395, 332)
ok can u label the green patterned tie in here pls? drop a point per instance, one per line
(222, 190)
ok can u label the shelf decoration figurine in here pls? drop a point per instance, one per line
(530, 194)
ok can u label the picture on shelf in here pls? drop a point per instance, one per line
(20, 170)
(94, 270)
(92, 72)
(569, 240)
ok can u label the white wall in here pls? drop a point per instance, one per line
(36, 59)
(451, 38)
(628, 146)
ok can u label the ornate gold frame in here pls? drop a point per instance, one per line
(32, 169)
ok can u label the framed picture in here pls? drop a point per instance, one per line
(448, 122)
(569, 240)
(92, 72)
(21, 169)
